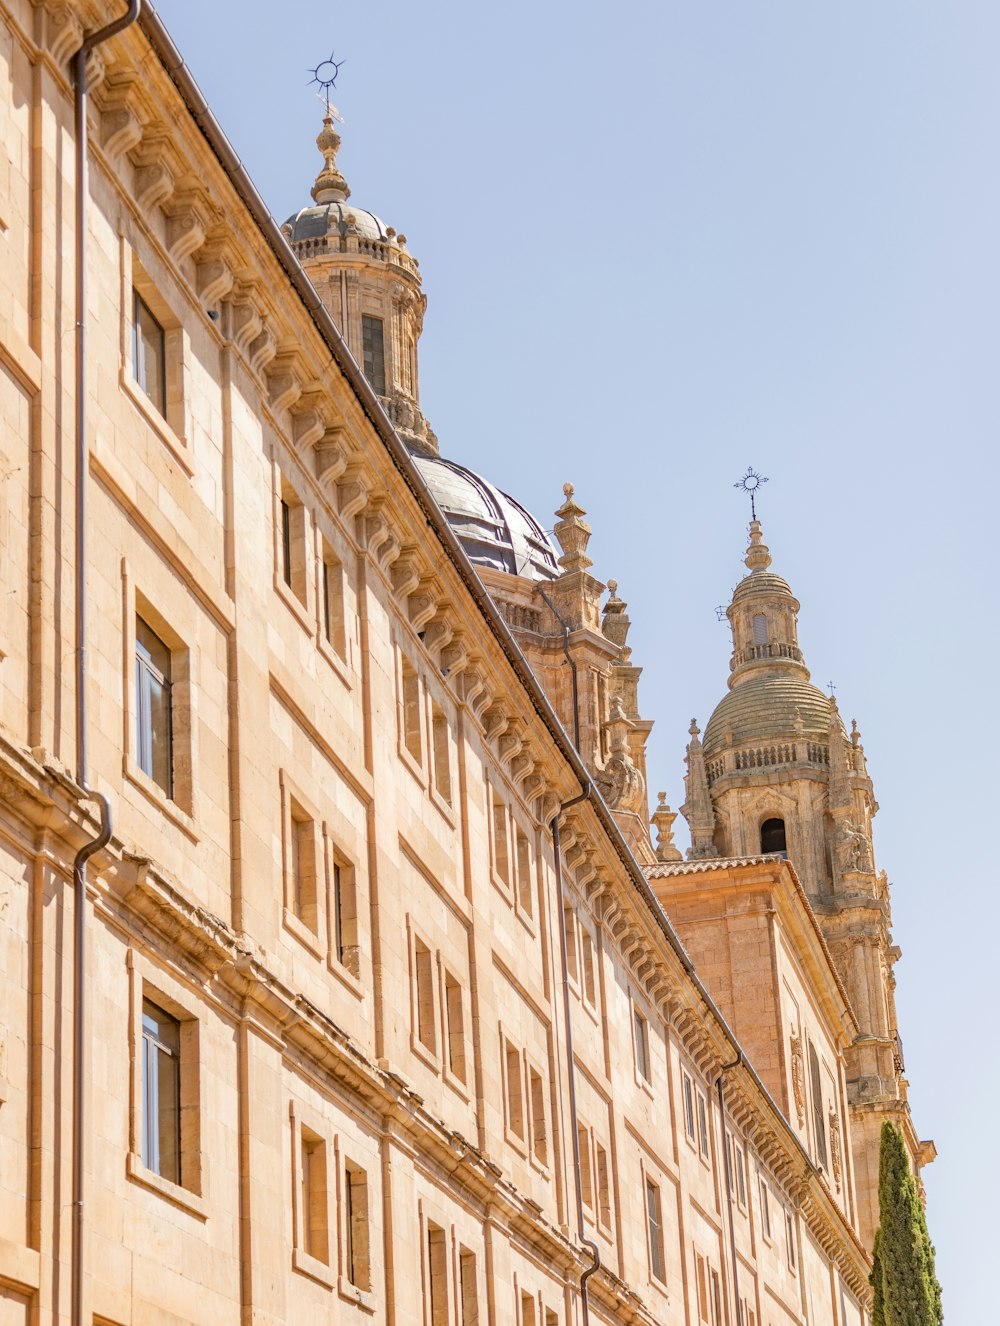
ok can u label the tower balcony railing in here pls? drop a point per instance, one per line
(752, 653)
(766, 757)
(318, 246)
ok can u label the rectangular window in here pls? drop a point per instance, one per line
(603, 1186)
(569, 923)
(501, 852)
(654, 1220)
(586, 1184)
(527, 1309)
(424, 973)
(702, 1273)
(357, 1258)
(315, 1236)
(437, 1275)
(411, 710)
(539, 1137)
(765, 1208)
(302, 864)
(286, 543)
(790, 1239)
(293, 541)
(468, 1287)
(524, 884)
(589, 980)
(716, 1300)
(334, 629)
(515, 1090)
(703, 1146)
(819, 1124)
(456, 1026)
(442, 759)
(373, 350)
(149, 353)
(687, 1092)
(738, 1176)
(161, 1092)
(760, 630)
(153, 719)
(641, 1029)
(551, 1318)
(344, 914)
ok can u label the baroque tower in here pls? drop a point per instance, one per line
(777, 773)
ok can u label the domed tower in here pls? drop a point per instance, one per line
(777, 773)
(370, 283)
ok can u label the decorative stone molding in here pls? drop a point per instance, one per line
(798, 1078)
(186, 226)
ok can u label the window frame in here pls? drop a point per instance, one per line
(312, 928)
(376, 375)
(641, 1048)
(654, 1190)
(168, 417)
(147, 674)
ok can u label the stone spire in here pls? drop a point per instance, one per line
(330, 186)
(758, 556)
(663, 823)
(697, 808)
(616, 622)
(573, 533)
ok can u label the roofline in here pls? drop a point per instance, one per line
(166, 50)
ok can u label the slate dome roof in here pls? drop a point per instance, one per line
(331, 218)
(494, 529)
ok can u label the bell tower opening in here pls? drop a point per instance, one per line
(772, 837)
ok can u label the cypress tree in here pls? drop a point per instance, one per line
(907, 1292)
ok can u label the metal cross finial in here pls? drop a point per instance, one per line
(751, 483)
(325, 76)
(831, 687)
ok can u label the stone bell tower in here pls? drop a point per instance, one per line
(370, 283)
(777, 772)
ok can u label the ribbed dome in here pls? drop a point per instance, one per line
(493, 529)
(761, 582)
(332, 219)
(767, 706)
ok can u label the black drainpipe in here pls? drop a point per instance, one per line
(588, 1243)
(730, 1183)
(569, 659)
(103, 837)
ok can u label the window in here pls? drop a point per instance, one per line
(302, 865)
(153, 719)
(468, 1288)
(715, 1301)
(819, 1123)
(442, 761)
(501, 851)
(455, 1016)
(292, 541)
(527, 1309)
(772, 837)
(737, 1170)
(332, 601)
(603, 1186)
(314, 1236)
(587, 954)
(586, 1183)
(344, 916)
(423, 965)
(437, 1275)
(161, 1092)
(410, 710)
(641, 1030)
(536, 1098)
(149, 353)
(790, 1240)
(569, 924)
(709, 1292)
(357, 1257)
(765, 1208)
(373, 350)
(703, 1145)
(654, 1222)
(687, 1092)
(760, 630)
(524, 883)
(515, 1090)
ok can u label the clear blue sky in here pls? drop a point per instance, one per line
(661, 242)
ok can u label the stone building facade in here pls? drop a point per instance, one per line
(381, 1014)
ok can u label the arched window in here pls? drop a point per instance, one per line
(760, 630)
(772, 837)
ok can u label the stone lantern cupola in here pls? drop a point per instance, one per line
(370, 284)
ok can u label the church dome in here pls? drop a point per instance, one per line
(334, 218)
(768, 706)
(494, 530)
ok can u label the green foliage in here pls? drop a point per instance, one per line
(907, 1292)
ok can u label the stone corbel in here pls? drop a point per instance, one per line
(496, 720)
(353, 492)
(521, 767)
(420, 608)
(213, 279)
(62, 31)
(246, 323)
(455, 658)
(262, 350)
(308, 426)
(405, 575)
(511, 743)
(472, 684)
(437, 636)
(185, 227)
(283, 385)
(388, 551)
(121, 128)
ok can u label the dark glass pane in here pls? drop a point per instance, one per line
(148, 355)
